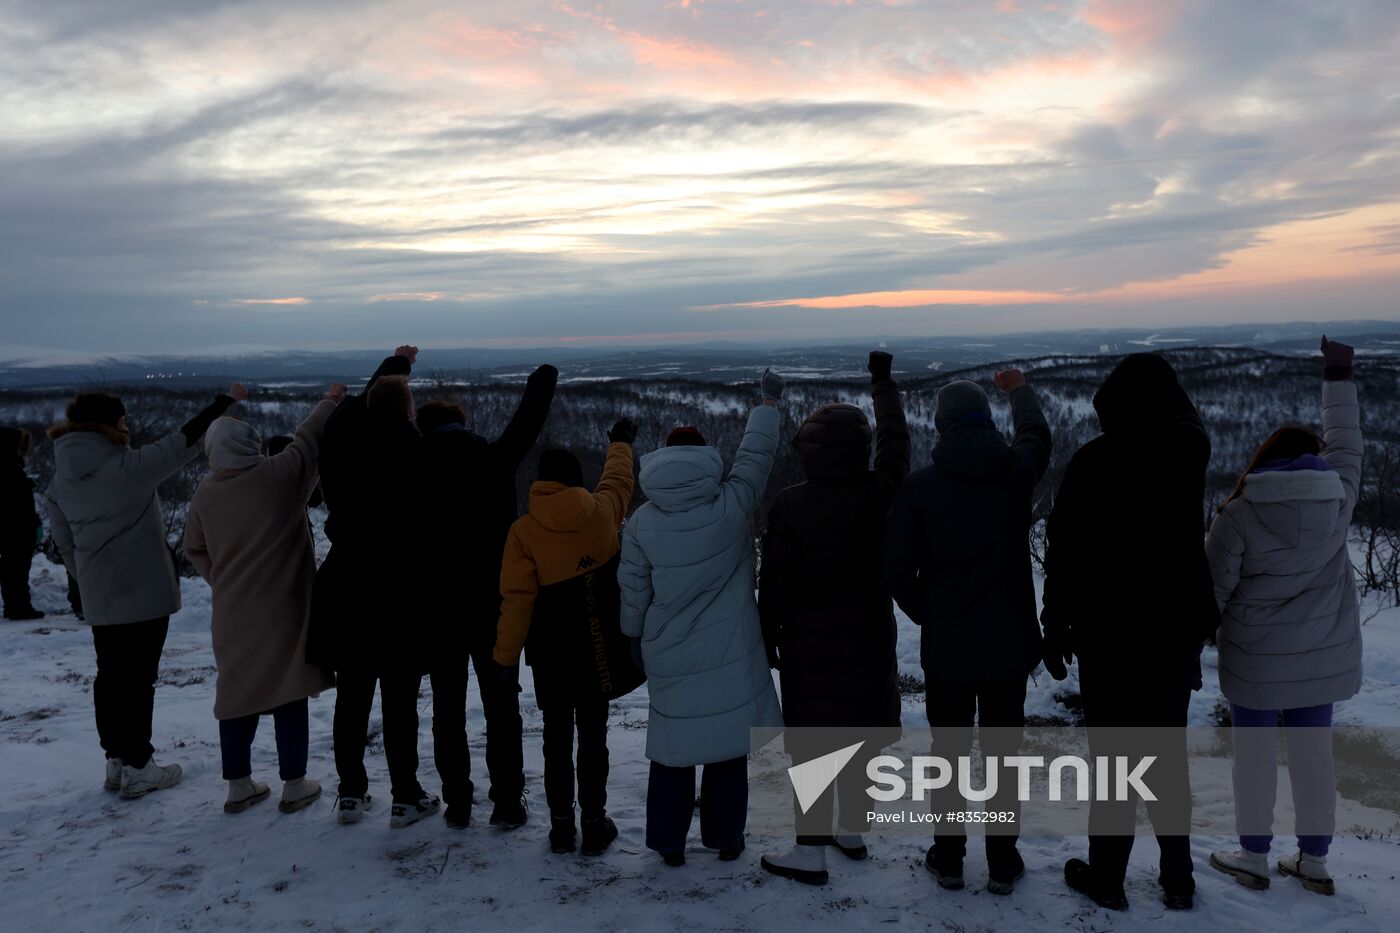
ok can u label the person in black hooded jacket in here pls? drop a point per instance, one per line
(19, 525)
(957, 560)
(828, 622)
(1128, 590)
(469, 487)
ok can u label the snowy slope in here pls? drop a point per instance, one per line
(76, 858)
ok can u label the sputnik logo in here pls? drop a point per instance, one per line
(811, 778)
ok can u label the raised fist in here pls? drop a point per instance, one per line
(238, 392)
(879, 365)
(546, 374)
(409, 353)
(1336, 354)
(771, 385)
(336, 392)
(624, 432)
(1008, 379)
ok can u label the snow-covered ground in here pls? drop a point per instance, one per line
(74, 857)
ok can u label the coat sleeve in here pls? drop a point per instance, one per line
(390, 366)
(194, 428)
(62, 534)
(614, 492)
(152, 464)
(634, 579)
(519, 436)
(892, 446)
(775, 583)
(1032, 437)
(1342, 444)
(901, 553)
(297, 463)
(754, 461)
(1225, 554)
(519, 586)
(196, 546)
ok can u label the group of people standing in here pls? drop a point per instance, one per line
(676, 594)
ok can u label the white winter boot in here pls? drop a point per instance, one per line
(298, 793)
(1250, 869)
(806, 864)
(114, 775)
(243, 793)
(851, 845)
(1309, 869)
(138, 782)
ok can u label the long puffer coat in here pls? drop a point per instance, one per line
(687, 580)
(1290, 632)
(824, 605)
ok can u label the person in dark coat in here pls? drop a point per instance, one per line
(828, 622)
(20, 528)
(1128, 590)
(469, 485)
(366, 623)
(957, 560)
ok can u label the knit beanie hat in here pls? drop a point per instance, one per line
(687, 436)
(232, 444)
(96, 408)
(957, 400)
(560, 466)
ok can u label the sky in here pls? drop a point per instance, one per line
(186, 174)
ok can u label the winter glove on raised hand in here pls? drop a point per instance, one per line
(1337, 360)
(772, 386)
(544, 375)
(624, 432)
(879, 365)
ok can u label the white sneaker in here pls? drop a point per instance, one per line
(243, 793)
(806, 864)
(138, 782)
(1250, 869)
(352, 809)
(1309, 869)
(298, 794)
(114, 775)
(406, 814)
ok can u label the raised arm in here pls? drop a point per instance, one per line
(634, 579)
(194, 429)
(1342, 444)
(892, 447)
(1225, 554)
(400, 364)
(1031, 435)
(614, 491)
(520, 585)
(298, 461)
(525, 425)
(748, 477)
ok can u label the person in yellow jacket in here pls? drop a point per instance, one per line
(560, 603)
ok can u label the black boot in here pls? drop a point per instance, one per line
(458, 816)
(562, 834)
(731, 853)
(1178, 895)
(598, 834)
(1003, 876)
(947, 871)
(510, 813)
(1080, 877)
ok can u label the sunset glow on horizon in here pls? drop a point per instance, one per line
(178, 174)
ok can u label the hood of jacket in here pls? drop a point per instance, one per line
(972, 451)
(231, 444)
(561, 508)
(1141, 393)
(678, 479)
(80, 450)
(834, 443)
(1295, 505)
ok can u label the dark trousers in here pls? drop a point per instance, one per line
(398, 702)
(724, 805)
(500, 705)
(14, 576)
(999, 708)
(450, 754)
(1159, 712)
(124, 691)
(293, 735)
(591, 717)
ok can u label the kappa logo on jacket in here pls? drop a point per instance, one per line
(585, 562)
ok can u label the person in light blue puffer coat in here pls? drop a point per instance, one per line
(687, 578)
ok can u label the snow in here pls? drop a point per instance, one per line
(75, 857)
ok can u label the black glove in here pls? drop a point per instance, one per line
(545, 374)
(879, 366)
(771, 384)
(1056, 655)
(624, 432)
(1336, 360)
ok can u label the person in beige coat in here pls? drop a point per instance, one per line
(247, 535)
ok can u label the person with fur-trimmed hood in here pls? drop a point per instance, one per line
(20, 529)
(828, 621)
(560, 601)
(105, 517)
(248, 537)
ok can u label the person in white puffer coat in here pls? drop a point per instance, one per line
(1290, 633)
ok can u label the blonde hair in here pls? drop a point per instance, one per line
(391, 395)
